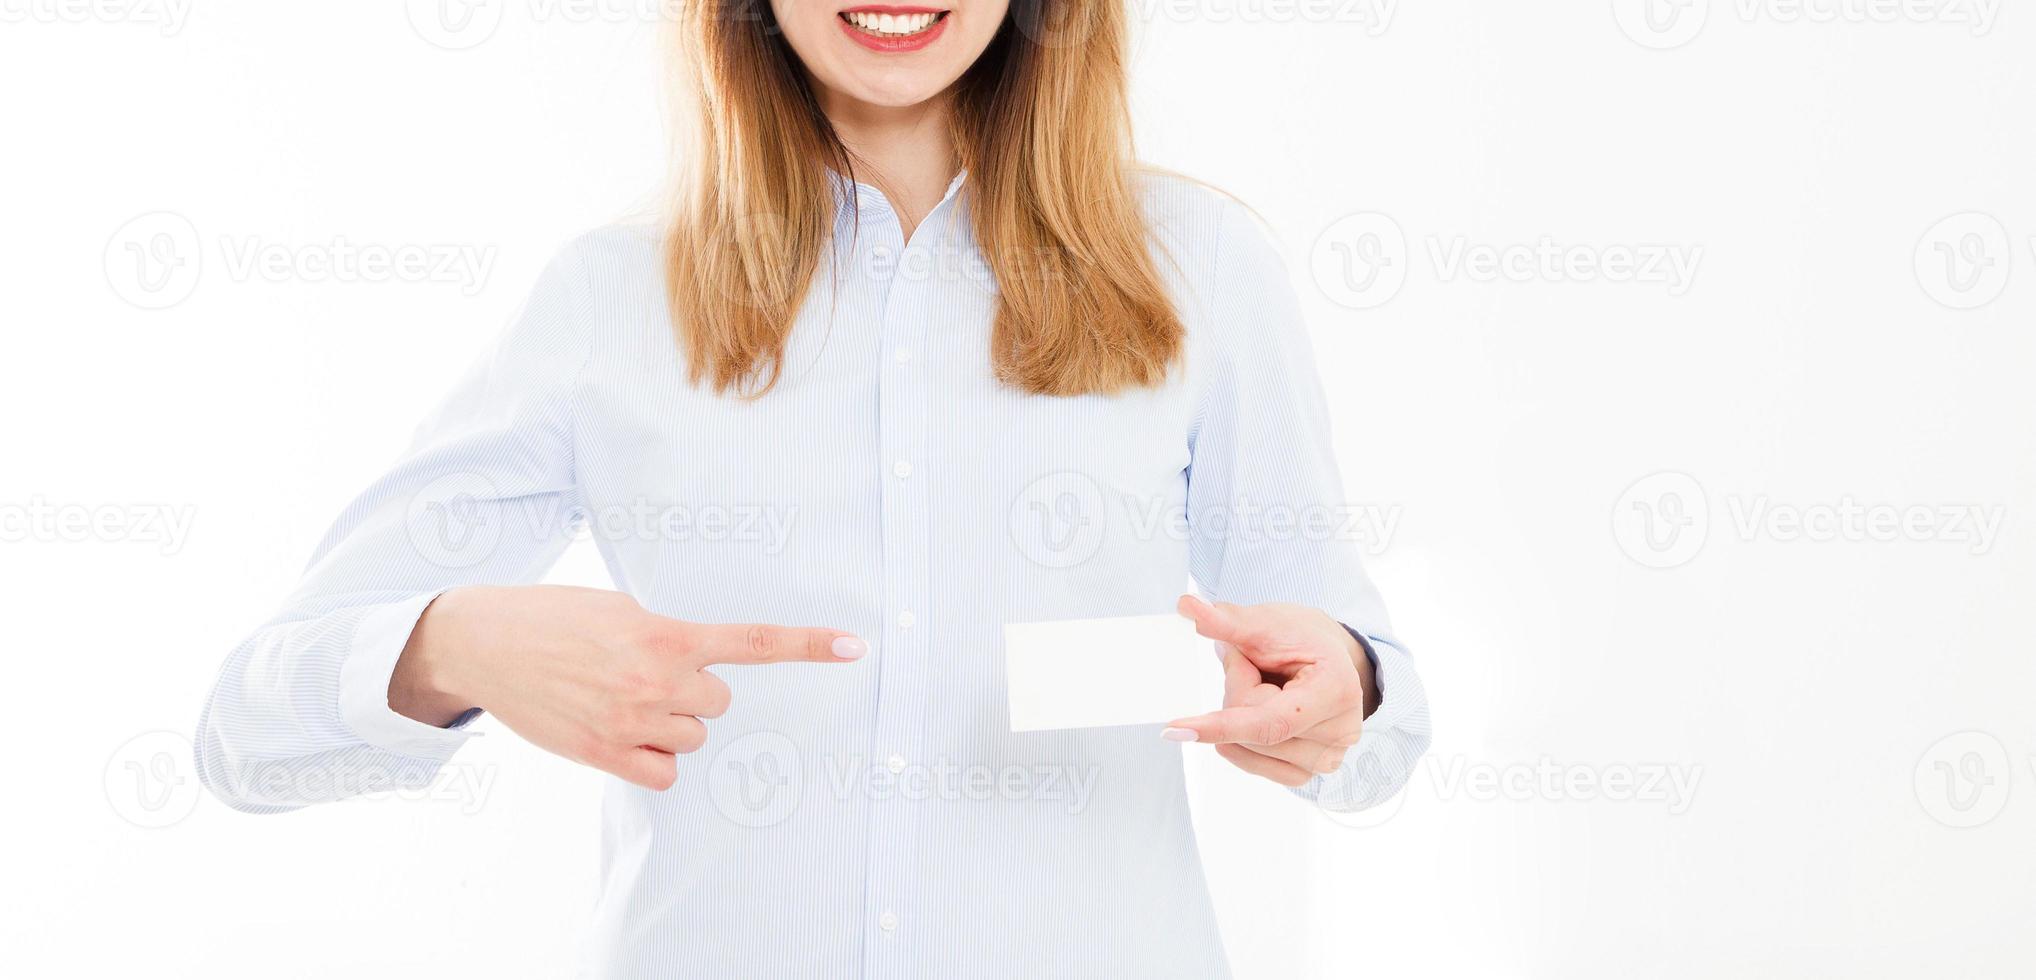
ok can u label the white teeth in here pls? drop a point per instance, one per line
(893, 25)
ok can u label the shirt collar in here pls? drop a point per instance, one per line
(867, 198)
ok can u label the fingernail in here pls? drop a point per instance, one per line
(849, 648)
(1178, 735)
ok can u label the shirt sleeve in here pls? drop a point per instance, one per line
(486, 494)
(1267, 514)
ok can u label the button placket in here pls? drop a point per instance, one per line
(901, 693)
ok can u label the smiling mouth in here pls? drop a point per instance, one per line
(893, 23)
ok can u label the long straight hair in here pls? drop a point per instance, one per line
(1041, 123)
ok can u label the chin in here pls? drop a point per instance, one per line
(892, 92)
(890, 55)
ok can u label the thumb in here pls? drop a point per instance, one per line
(1239, 673)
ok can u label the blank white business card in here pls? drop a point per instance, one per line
(1093, 673)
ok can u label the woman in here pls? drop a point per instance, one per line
(919, 356)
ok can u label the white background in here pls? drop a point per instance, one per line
(1808, 686)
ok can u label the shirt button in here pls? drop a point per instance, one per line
(906, 619)
(896, 764)
(902, 468)
(889, 921)
(902, 355)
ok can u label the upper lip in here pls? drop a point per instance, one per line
(885, 8)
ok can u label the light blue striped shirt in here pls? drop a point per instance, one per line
(877, 819)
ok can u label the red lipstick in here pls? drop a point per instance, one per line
(892, 43)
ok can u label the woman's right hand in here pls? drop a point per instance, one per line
(588, 674)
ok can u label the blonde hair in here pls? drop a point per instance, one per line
(1041, 123)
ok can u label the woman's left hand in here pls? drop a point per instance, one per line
(1297, 687)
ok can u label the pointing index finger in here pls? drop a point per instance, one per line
(759, 643)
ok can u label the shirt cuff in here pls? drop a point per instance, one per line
(1394, 739)
(378, 641)
(1393, 671)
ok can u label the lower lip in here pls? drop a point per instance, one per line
(895, 45)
